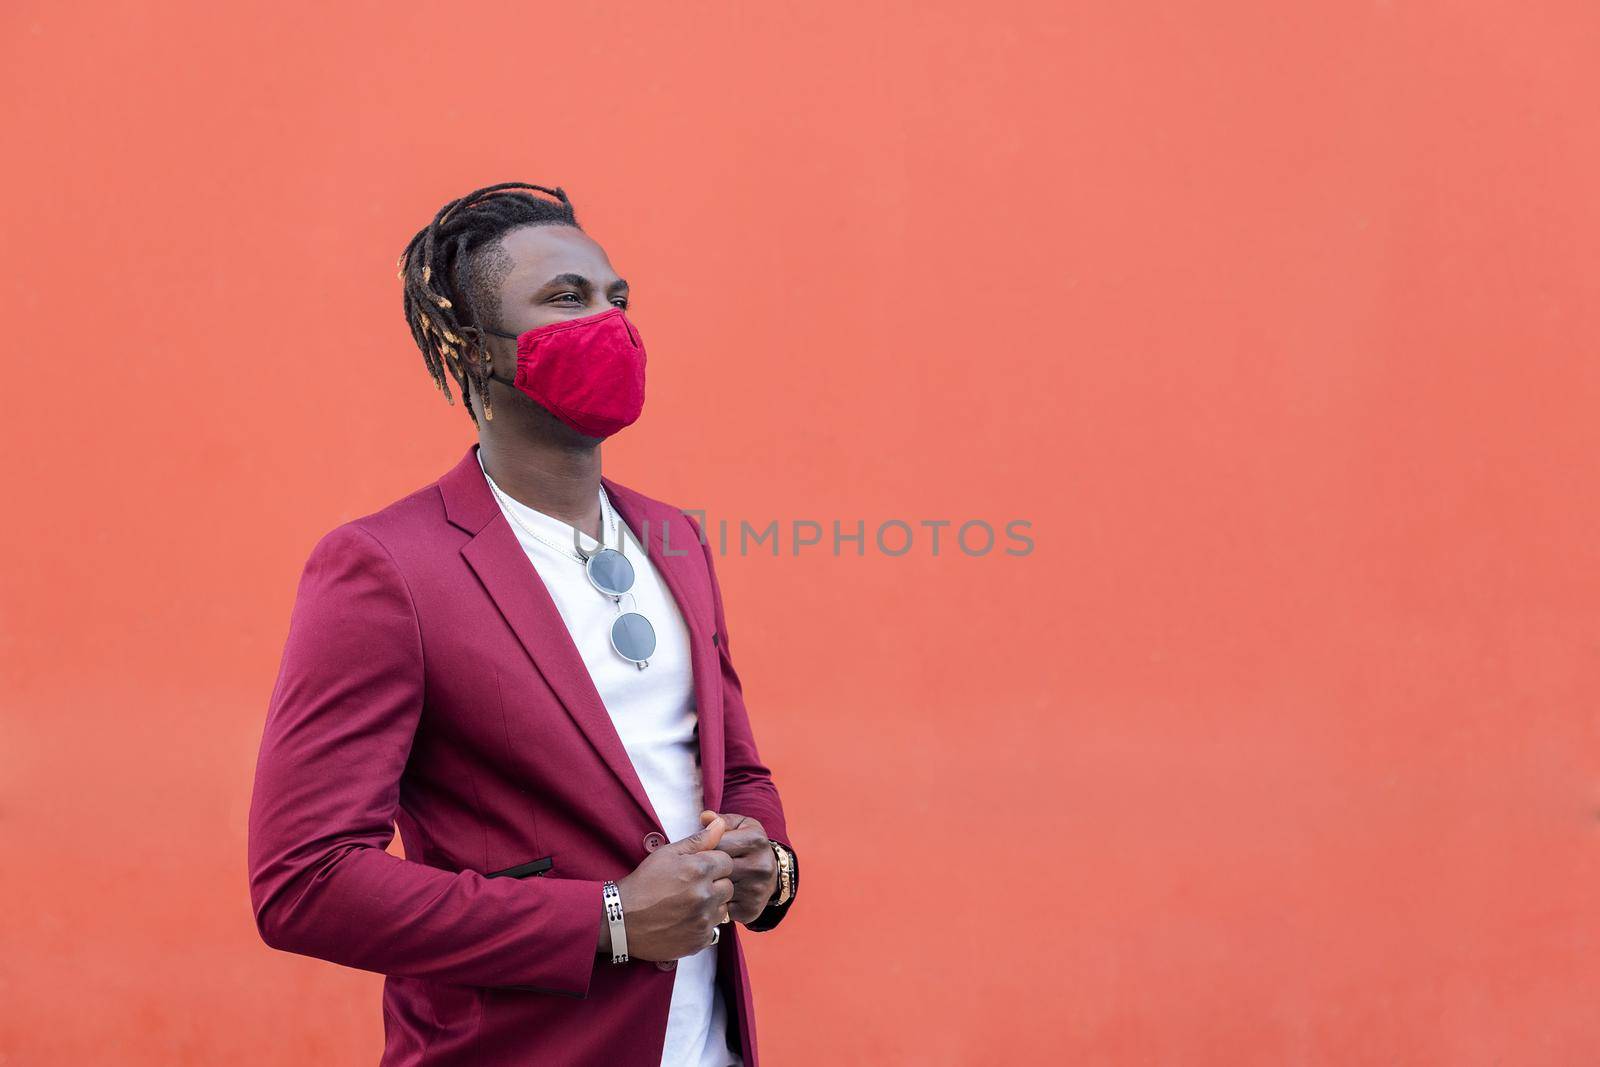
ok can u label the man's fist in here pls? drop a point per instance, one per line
(755, 868)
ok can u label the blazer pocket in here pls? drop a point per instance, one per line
(524, 870)
(533, 868)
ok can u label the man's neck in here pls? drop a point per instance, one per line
(560, 481)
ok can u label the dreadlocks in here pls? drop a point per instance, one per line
(448, 291)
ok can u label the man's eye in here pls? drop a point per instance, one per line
(574, 296)
(621, 302)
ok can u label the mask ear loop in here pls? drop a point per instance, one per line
(477, 332)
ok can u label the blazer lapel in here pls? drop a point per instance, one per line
(670, 541)
(498, 559)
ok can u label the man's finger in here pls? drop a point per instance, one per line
(703, 839)
(733, 821)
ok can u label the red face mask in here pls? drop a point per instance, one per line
(587, 372)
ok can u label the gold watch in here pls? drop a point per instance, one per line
(785, 888)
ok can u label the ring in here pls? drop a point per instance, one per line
(716, 934)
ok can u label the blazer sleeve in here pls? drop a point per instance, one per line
(747, 787)
(339, 730)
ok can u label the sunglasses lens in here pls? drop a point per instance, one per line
(633, 636)
(611, 571)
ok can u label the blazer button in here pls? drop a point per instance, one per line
(653, 841)
(666, 965)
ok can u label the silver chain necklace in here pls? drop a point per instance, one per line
(607, 516)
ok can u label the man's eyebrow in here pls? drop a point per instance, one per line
(578, 281)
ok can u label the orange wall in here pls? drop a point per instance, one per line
(1277, 321)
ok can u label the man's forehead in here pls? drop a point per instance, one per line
(550, 250)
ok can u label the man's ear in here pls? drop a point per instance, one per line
(476, 345)
(481, 350)
(477, 357)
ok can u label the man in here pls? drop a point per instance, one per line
(525, 665)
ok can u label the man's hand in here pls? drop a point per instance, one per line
(755, 868)
(673, 900)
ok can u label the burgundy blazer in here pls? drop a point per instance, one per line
(429, 681)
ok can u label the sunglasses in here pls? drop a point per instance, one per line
(631, 634)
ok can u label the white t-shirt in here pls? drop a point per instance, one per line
(655, 716)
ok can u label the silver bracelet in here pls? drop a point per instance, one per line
(619, 935)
